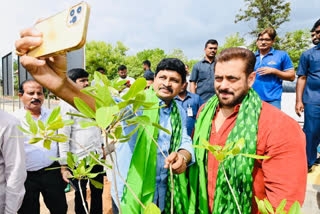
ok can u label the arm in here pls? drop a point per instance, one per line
(284, 75)
(15, 170)
(64, 147)
(185, 154)
(285, 173)
(53, 69)
(301, 83)
(193, 87)
(193, 79)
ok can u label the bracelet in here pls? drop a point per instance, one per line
(184, 157)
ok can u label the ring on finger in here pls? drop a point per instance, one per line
(18, 53)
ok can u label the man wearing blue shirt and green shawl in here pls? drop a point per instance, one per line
(272, 66)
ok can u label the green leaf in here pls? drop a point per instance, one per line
(136, 87)
(92, 175)
(143, 119)
(70, 160)
(281, 206)
(59, 138)
(118, 132)
(86, 124)
(104, 95)
(227, 147)
(104, 115)
(151, 208)
(58, 124)
(131, 133)
(32, 124)
(77, 115)
(84, 108)
(220, 156)
(262, 208)
(295, 208)
(96, 184)
(47, 144)
(35, 140)
(254, 156)
(161, 128)
(68, 122)
(23, 130)
(41, 125)
(235, 150)
(53, 116)
(268, 206)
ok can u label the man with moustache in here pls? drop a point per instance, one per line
(314, 38)
(308, 96)
(272, 67)
(237, 112)
(39, 180)
(90, 138)
(202, 76)
(177, 147)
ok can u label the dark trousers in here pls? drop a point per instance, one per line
(312, 130)
(96, 194)
(51, 186)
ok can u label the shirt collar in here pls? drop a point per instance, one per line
(204, 60)
(270, 52)
(161, 103)
(318, 46)
(236, 108)
(43, 114)
(188, 95)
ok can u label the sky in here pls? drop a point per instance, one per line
(148, 24)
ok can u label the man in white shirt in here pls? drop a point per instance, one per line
(122, 70)
(12, 165)
(90, 138)
(48, 182)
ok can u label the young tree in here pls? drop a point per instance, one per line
(268, 13)
(234, 40)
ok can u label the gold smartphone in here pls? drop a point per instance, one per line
(63, 32)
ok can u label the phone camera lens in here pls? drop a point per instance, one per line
(72, 12)
(73, 20)
(79, 9)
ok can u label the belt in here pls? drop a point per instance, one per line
(45, 169)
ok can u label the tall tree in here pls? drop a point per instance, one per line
(234, 40)
(267, 13)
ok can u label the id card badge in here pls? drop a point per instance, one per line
(189, 111)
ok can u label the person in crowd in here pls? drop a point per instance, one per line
(123, 75)
(169, 77)
(90, 138)
(12, 165)
(308, 96)
(148, 74)
(188, 77)
(202, 76)
(272, 66)
(39, 180)
(237, 112)
(102, 71)
(191, 103)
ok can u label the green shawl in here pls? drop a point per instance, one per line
(142, 172)
(239, 169)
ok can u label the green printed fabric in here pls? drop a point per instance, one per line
(238, 169)
(142, 171)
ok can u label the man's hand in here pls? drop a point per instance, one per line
(49, 72)
(299, 108)
(179, 165)
(266, 70)
(65, 174)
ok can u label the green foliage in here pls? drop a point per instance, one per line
(151, 208)
(265, 207)
(234, 40)
(45, 132)
(229, 151)
(267, 13)
(295, 43)
(108, 56)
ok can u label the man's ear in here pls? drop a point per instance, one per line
(20, 94)
(251, 79)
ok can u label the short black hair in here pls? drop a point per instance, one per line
(147, 62)
(122, 67)
(173, 64)
(21, 90)
(211, 41)
(148, 75)
(77, 73)
(100, 68)
(315, 25)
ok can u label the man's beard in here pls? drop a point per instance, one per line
(235, 101)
